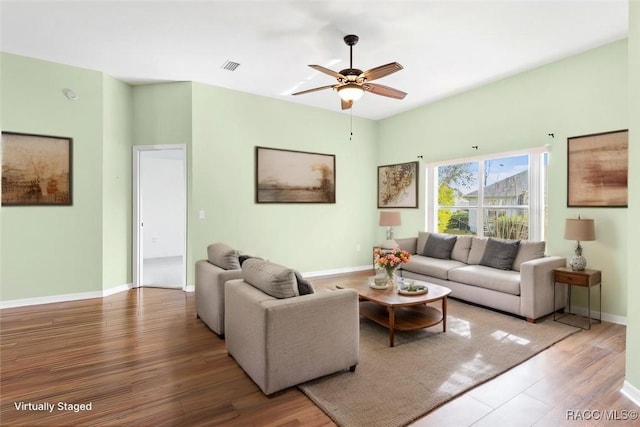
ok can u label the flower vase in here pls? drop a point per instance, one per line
(390, 272)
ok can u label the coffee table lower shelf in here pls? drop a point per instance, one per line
(402, 318)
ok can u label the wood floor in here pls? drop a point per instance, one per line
(142, 358)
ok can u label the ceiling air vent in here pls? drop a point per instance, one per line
(230, 66)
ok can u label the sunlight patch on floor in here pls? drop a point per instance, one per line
(463, 375)
(502, 335)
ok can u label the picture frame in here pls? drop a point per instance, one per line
(398, 185)
(597, 169)
(289, 176)
(36, 170)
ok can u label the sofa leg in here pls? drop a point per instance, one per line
(352, 368)
(530, 320)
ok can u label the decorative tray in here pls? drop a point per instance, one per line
(411, 289)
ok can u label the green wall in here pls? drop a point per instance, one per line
(227, 125)
(117, 117)
(633, 307)
(54, 250)
(583, 94)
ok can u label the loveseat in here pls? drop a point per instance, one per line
(222, 264)
(282, 333)
(511, 276)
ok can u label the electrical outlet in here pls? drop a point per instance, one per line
(358, 247)
(201, 214)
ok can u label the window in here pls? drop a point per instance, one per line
(502, 196)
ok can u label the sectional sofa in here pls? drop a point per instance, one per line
(511, 276)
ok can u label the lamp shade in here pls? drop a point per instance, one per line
(389, 219)
(582, 230)
(350, 92)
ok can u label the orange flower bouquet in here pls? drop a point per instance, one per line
(390, 259)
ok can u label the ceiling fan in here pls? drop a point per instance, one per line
(352, 82)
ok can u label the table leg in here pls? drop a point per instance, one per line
(444, 314)
(392, 325)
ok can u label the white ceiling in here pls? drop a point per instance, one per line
(445, 46)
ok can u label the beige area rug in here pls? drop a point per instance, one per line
(393, 386)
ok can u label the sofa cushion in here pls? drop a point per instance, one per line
(433, 267)
(439, 246)
(477, 249)
(223, 256)
(304, 286)
(461, 249)
(507, 281)
(500, 254)
(528, 251)
(422, 239)
(272, 279)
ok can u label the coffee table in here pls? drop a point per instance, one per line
(399, 312)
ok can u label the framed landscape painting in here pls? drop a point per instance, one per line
(287, 176)
(36, 170)
(398, 185)
(597, 170)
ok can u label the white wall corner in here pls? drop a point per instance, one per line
(631, 392)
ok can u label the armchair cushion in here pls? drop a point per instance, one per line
(272, 279)
(223, 256)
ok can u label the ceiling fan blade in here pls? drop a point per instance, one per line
(315, 89)
(381, 71)
(384, 90)
(346, 104)
(327, 71)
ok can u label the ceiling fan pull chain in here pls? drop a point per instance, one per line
(351, 124)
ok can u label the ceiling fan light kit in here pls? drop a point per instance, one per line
(350, 92)
(352, 82)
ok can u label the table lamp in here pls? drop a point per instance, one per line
(580, 230)
(389, 220)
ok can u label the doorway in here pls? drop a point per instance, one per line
(160, 216)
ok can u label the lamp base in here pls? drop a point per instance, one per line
(578, 263)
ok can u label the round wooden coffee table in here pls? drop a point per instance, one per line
(399, 312)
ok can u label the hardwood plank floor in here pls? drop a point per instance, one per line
(143, 358)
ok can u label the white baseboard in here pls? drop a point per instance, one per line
(117, 289)
(631, 392)
(190, 288)
(64, 298)
(337, 271)
(613, 318)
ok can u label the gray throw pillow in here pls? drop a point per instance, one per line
(304, 286)
(500, 254)
(439, 246)
(223, 256)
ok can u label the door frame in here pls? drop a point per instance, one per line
(137, 220)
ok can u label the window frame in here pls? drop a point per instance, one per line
(538, 162)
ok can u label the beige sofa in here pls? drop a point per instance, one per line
(281, 338)
(222, 264)
(515, 277)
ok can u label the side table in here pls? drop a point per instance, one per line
(587, 279)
